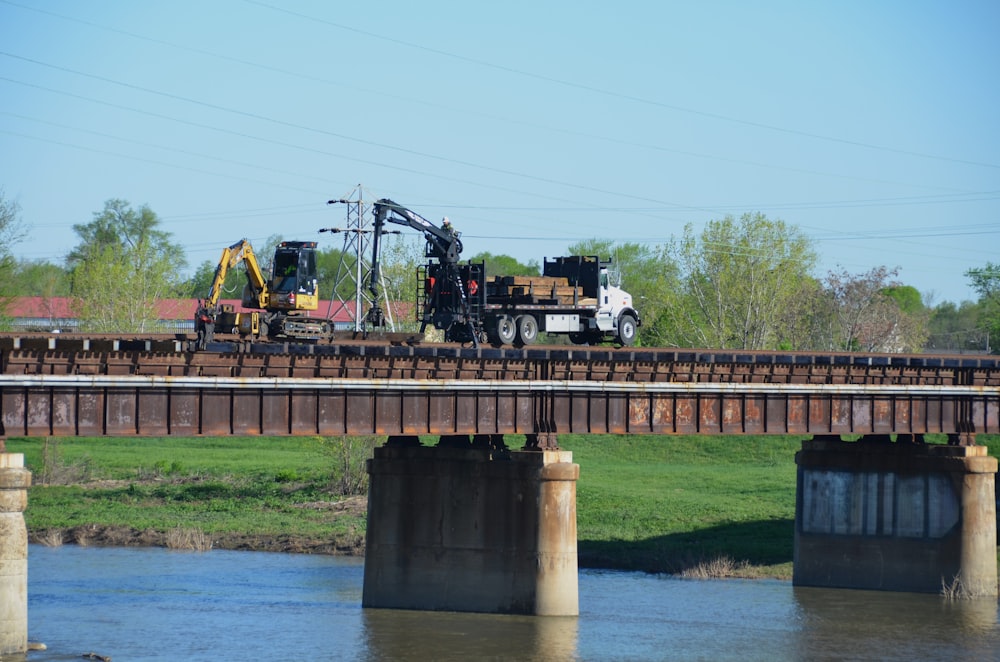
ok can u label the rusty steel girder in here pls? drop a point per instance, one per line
(102, 386)
(97, 405)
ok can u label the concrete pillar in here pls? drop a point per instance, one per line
(473, 530)
(14, 482)
(896, 516)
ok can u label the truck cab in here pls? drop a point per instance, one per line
(615, 315)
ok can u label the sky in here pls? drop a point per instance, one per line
(872, 127)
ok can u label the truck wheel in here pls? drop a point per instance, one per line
(506, 330)
(527, 330)
(626, 329)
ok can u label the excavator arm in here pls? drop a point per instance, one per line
(241, 251)
(256, 295)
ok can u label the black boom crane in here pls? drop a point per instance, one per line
(446, 305)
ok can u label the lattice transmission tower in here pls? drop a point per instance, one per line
(353, 278)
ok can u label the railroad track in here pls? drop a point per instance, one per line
(173, 355)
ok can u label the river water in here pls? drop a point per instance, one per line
(157, 604)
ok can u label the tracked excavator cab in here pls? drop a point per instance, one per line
(285, 299)
(294, 282)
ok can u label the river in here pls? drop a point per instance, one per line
(156, 604)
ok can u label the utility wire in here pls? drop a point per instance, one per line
(619, 95)
(333, 134)
(450, 108)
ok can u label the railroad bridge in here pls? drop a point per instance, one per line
(509, 544)
(55, 386)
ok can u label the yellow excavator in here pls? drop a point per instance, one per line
(280, 305)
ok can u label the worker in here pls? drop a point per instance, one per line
(447, 227)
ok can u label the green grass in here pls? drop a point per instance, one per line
(138, 457)
(666, 504)
(223, 486)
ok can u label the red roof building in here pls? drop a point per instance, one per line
(175, 315)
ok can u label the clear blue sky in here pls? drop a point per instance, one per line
(872, 126)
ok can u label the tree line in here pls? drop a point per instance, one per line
(744, 282)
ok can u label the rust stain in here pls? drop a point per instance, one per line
(663, 411)
(685, 411)
(882, 415)
(638, 412)
(797, 415)
(732, 412)
(709, 407)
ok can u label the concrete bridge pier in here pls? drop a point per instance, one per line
(896, 516)
(473, 527)
(14, 482)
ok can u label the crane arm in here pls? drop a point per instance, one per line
(241, 251)
(444, 243)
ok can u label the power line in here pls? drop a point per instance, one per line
(668, 208)
(142, 143)
(636, 210)
(450, 108)
(279, 143)
(619, 95)
(141, 159)
(333, 134)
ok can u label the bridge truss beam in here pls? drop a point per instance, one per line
(153, 405)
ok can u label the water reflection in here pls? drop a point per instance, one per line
(152, 604)
(412, 635)
(847, 623)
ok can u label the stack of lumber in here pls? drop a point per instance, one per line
(536, 289)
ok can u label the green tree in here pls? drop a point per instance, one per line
(199, 283)
(505, 265)
(986, 282)
(12, 232)
(647, 273)
(873, 312)
(911, 329)
(401, 256)
(956, 328)
(337, 274)
(805, 323)
(736, 282)
(39, 278)
(122, 266)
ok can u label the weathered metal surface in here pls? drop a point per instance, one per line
(43, 405)
(450, 362)
(148, 386)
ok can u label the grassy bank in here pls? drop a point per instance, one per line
(717, 505)
(280, 494)
(675, 504)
